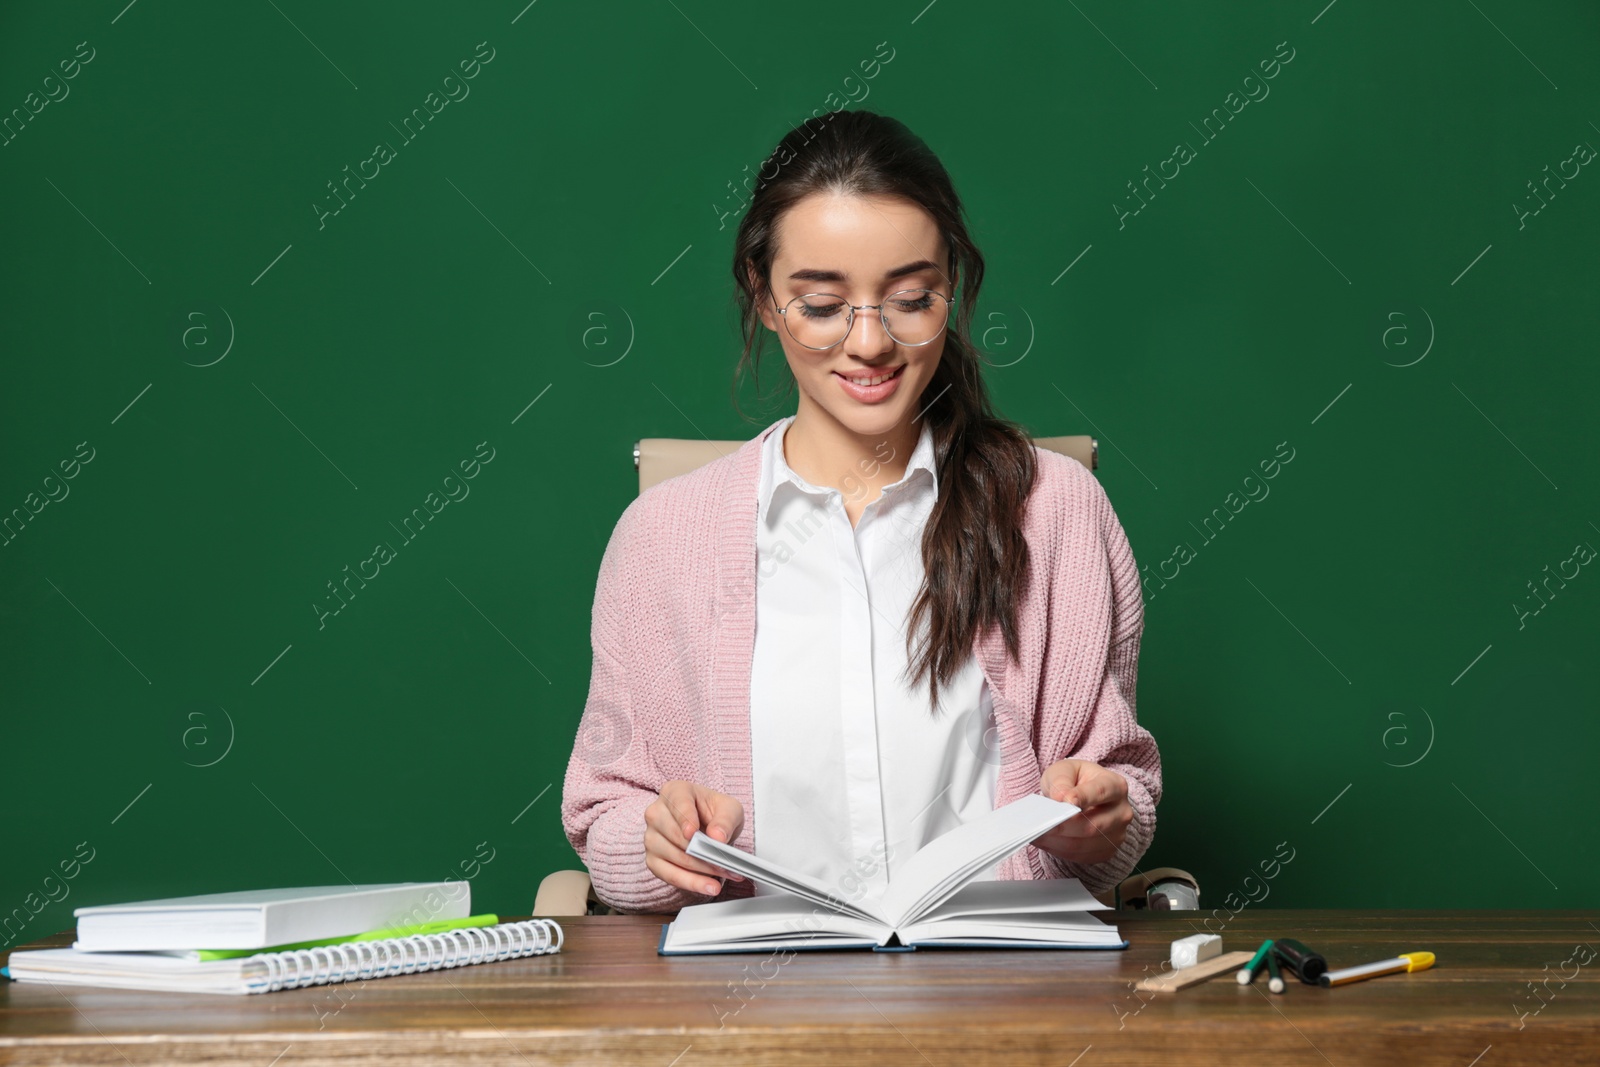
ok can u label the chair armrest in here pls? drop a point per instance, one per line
(1134, 891)
(563, 893)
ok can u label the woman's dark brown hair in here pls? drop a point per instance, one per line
(974, 555)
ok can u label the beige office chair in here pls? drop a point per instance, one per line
(570, 892)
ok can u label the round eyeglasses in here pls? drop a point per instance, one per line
(912, 317)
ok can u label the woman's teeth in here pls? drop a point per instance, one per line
(871, 381)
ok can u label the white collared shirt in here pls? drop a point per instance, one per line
(848, 764)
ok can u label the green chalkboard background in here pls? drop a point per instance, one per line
(1354, 268)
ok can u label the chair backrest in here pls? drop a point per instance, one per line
(659, 458)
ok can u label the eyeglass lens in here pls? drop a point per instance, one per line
(911, 317)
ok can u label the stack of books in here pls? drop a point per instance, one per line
(258, 941)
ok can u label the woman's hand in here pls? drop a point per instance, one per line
(1096, 832)
(672, 818)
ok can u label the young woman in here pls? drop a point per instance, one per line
(889, 612)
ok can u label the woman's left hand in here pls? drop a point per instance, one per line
(1096, 832)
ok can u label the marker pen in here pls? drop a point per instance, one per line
(1275, 978)
(1406, 961)
(1247, 973)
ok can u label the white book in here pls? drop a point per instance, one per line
(261, 918)
(266, 972)
(928, 901)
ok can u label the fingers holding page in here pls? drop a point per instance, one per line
(721, 816)
(1083, 783)
(1098, 786)
(1097, 831)
(679, 811)
(676, 867)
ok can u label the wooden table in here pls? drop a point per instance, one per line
(607, 998)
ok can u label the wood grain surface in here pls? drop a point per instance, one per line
(1500, 994)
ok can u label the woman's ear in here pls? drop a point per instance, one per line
(763, 300)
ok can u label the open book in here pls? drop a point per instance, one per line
(928, 901)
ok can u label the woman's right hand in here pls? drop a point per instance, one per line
(672, 818)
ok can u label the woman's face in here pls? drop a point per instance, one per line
(860, 249)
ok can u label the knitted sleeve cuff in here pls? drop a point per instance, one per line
(614, 854)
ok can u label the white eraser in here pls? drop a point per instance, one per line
(1188, 951)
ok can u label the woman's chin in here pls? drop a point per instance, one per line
(869, 420)
(879, 422)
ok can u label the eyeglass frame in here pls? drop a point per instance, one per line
(850, 322)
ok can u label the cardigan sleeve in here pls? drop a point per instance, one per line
(1113, 737)
(610, 777)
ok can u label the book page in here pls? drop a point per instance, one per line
(768, 921)
(778, 877)
(1060, 932)
(938, 869)
(1050, 896)
(947, 862)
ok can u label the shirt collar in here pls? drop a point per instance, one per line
(776, 472)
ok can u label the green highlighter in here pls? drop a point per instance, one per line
(437, 927)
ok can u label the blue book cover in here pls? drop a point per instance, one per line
(661, 949)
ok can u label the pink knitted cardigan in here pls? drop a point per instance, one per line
(673, 636)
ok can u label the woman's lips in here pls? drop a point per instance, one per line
(872, 394)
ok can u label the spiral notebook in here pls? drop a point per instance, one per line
(266, 972)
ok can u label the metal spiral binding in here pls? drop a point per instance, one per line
(403, 955)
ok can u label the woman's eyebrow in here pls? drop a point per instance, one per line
(814, 275)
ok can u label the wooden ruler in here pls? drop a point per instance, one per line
(1172, 981)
